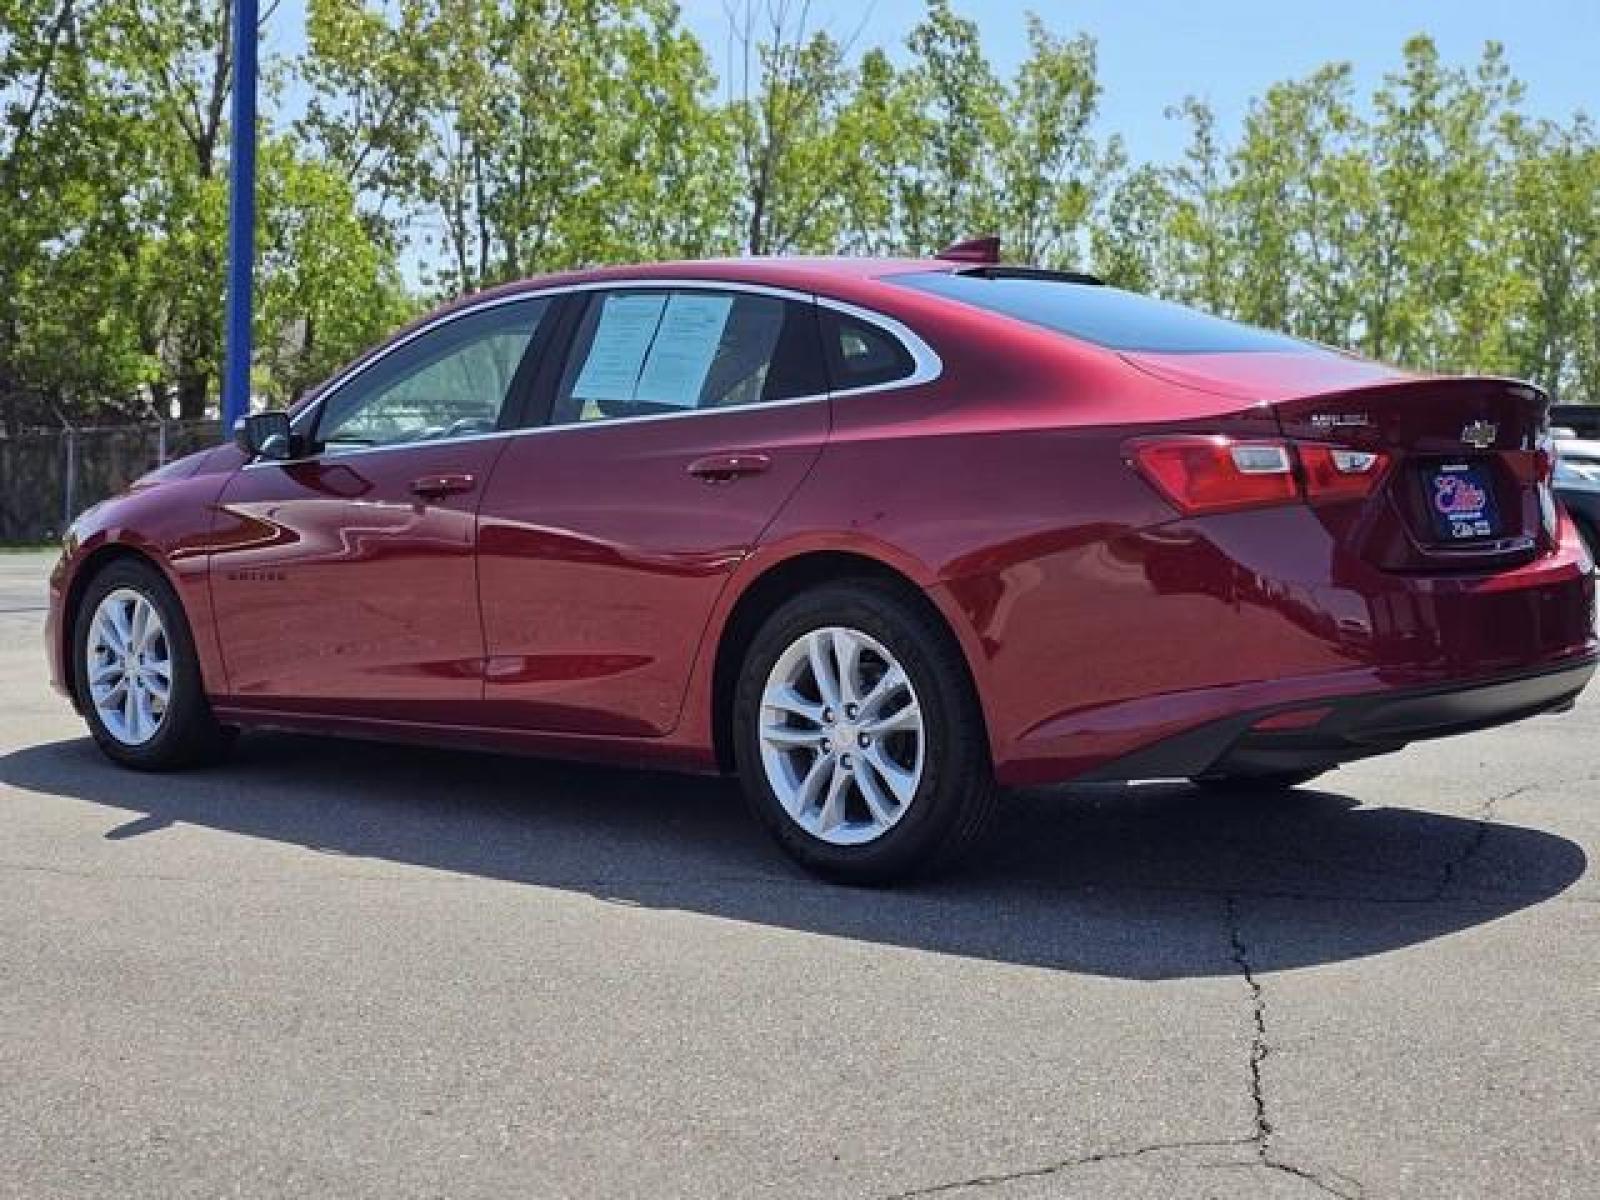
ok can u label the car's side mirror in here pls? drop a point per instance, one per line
(264, 435)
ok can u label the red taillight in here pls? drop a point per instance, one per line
(1204, 474)
(1335, 473)
(1544, 467)
(1544, 457)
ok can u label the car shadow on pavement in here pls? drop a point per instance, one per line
(1141, 882)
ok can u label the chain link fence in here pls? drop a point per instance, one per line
(47, 477)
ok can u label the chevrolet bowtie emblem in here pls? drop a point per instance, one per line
(1479, 435)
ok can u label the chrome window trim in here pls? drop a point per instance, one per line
(927, 365)
(536, 430)
(361, 368)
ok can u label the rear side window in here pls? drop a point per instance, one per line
(656, 351)
(1107, 316)
(861, 354)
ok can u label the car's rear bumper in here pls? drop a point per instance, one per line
(1322, 733)
(1352, 645)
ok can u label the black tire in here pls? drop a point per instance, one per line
(189, 734)
(955, 798)
(1255, 785)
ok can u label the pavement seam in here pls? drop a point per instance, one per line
(1260, 1049)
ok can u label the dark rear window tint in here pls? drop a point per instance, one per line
(1107, 316)
(861, 354)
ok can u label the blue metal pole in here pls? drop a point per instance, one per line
(241, 217)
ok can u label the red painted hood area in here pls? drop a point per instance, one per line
(1265, 375)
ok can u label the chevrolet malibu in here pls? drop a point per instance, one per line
(879, 536)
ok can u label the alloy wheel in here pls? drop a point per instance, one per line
(128, 666)
(842, 736)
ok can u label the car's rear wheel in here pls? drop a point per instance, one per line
(137, 675)
(858, 738)
(1255, 785)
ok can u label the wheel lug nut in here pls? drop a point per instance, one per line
(851, 712)
(846, 762)
(866, 739)
(827, 746)
(828, 715)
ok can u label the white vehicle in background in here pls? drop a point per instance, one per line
(1577, 483)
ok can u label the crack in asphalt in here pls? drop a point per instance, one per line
(1067, 1164)
(1258, 1143)
(1484, 814)
(1260, 1049)
(1485, 818)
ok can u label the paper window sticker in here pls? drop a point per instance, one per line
(691, 332)
(622, 338)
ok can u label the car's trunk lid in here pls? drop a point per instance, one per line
(1467, 483)
(1265, 375)
(1466, 463)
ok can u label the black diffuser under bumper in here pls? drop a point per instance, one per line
(1354, 727)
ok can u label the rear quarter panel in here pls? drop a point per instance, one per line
(1001, 489)
(1095, 619)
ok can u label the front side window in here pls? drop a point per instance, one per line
(652, 352)
(452, 381)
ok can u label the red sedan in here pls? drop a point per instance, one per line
(880, 536)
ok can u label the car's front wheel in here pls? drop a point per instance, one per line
(136, 673)
(858, 738)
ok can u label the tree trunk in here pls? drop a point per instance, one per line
(192, 394)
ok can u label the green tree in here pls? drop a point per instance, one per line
(534, 134)
(668, 166)
(1204, 247)
(947, 189)
(1298, 177)
(1131, 238)
(874, 145)
(1555, 252)
(1051, 169)
(66, 343)
(787, 114)
(371, 74)
(1432, 263)
(327, 288)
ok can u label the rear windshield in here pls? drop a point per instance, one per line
(1107, 316)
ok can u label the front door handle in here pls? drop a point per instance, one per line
(432, 487)
(720, 468)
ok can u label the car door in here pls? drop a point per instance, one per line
(345, 580)
(682, 419)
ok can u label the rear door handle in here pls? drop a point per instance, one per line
(720, 468)
(431, 487)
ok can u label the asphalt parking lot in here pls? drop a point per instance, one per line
(336, 969)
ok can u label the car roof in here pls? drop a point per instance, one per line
(843, 277)
(801, 272)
